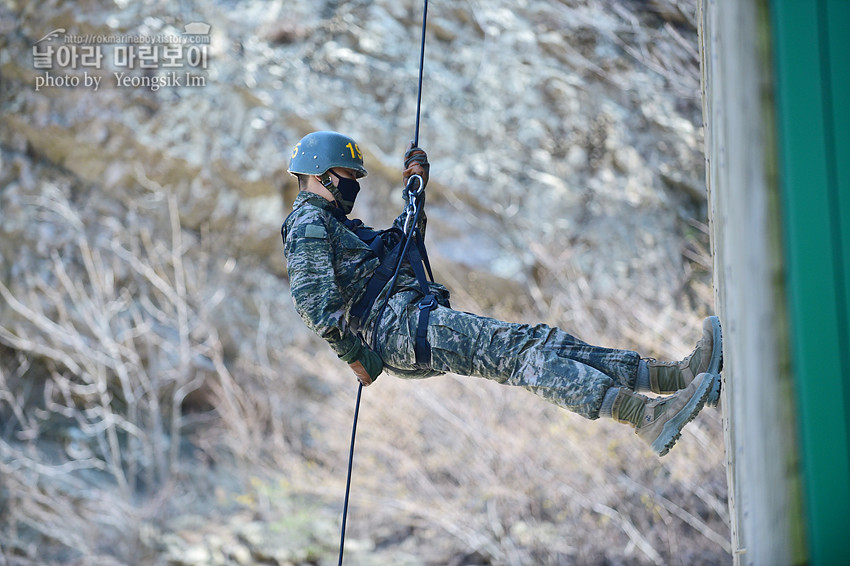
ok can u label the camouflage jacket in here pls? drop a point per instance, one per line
(329, 268)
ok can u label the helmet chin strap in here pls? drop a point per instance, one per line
(326, 181)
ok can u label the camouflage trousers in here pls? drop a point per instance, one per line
(542, 359)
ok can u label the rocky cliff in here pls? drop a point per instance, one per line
(161, 402)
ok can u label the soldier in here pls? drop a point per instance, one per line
(413, 333)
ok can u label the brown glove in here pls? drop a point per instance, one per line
(361, 373)
(365, 364)
(416, 163)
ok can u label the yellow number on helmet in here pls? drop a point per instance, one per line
(355, 151)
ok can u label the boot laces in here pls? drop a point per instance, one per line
(684, 362)
(654, 362)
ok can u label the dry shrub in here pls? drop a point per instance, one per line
(457, 470)
(112, 359)
(137, 367)
(127, 382)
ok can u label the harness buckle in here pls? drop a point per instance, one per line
(428, 302)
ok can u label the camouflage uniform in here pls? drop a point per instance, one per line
(329, 267)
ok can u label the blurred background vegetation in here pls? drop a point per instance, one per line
(160, 401)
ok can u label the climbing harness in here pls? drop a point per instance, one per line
(388, 271)
(409, 250)
(413, 250)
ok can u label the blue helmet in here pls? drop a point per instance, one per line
(320, 151)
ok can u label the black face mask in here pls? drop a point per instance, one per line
(345, 192)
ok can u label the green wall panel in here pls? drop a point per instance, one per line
(837, 15)
(811, 46)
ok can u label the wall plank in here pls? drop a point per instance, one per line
(759, 415)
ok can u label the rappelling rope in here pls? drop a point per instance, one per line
(421, 67)
(416, 201)
(348, 480)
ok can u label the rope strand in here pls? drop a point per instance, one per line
(421, 67)
(348, 480)
(395, 275)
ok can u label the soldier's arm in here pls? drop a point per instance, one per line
(313, 284)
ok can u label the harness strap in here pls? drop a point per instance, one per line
(418, 258)
(422, 348)
(377, 282)
(420, 244)
(367, 235)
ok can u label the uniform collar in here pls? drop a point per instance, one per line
(308, 197)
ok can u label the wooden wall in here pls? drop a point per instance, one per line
(757, 401)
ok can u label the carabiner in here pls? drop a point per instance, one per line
(420, 187)
(411, 213)
(412, 198)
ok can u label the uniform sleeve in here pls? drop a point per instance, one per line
(309, 259)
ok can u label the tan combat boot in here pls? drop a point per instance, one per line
(707, 357)
(659, 421)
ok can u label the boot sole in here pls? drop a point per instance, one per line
(673, 428)
(715, 365)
